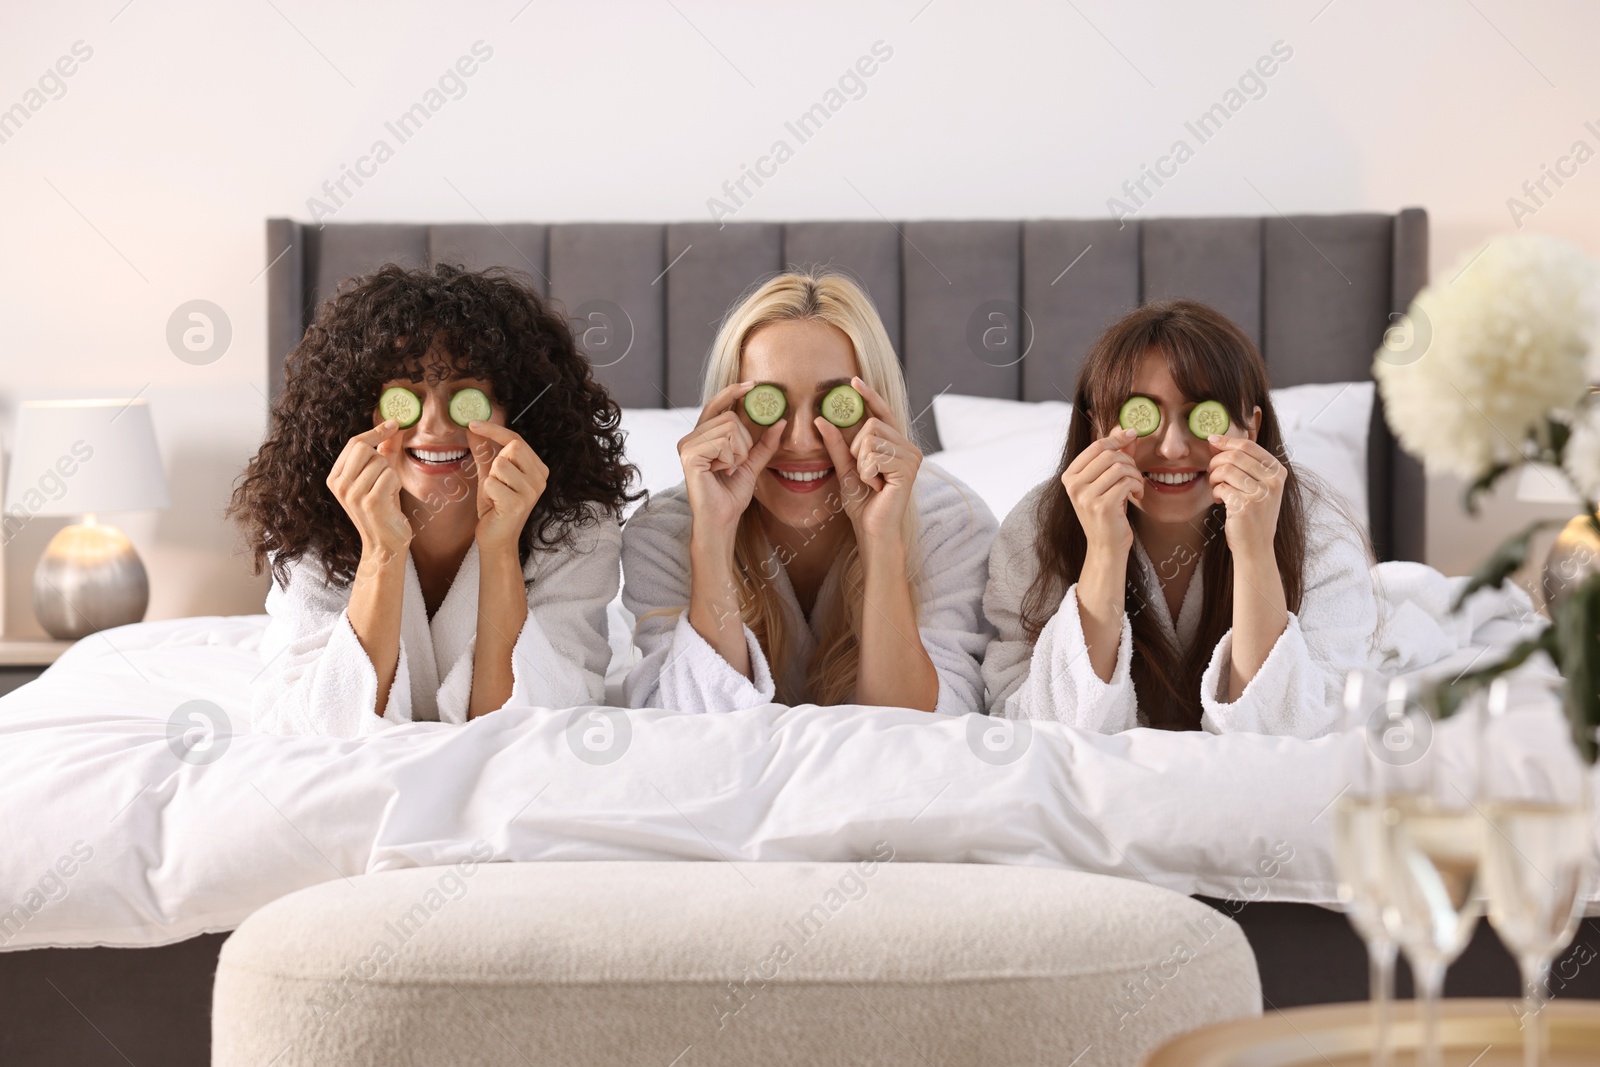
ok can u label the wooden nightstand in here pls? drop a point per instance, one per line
(23, 661)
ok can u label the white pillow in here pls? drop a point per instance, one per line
(1002, 472)
(1325, 430)
(997, 446)
(652, 436)
(965, 421)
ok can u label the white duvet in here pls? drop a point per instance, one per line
(118, 831)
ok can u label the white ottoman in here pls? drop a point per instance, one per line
(675, 964)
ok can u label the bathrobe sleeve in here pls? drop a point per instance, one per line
(316, 678)
(956, 532)
(1298, 691)
(561, 653)
(1051, 678)
(678, 669)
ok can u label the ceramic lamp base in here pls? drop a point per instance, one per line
(89, 579)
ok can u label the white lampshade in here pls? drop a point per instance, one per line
(1540, 483)
(72, 457)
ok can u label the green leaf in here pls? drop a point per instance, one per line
(1469, 498)
(1558, 434)
(1578, 637)
(1500, 565)
(1450, 696)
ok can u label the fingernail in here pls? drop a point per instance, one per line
(388, 424)
(1214, 438)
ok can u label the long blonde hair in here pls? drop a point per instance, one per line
(832, 298)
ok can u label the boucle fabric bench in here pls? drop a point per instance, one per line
(683, 963)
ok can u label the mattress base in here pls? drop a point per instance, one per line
(155, 1003)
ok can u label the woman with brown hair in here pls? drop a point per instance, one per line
(439, 500)
(1232, 595)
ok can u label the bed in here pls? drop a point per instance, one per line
(169, 845)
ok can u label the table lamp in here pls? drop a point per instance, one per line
(86, 457)
(1575, 553)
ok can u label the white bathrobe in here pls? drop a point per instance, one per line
(1297, 692)
(317, 679)
(680, 671)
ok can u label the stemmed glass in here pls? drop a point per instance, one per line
(1538, 847)
(1366, 737)
(1432, 844)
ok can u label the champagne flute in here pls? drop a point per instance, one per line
(1358, 842)
(1432, 844)
(1538, 855)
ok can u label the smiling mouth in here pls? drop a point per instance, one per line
(804, 476)
(1163, 478)
(430, 458)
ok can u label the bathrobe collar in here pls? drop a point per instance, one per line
(804, 638)
(438, 652)
(1182, 633)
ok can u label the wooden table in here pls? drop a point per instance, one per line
(1482, 1033)
(23, 661)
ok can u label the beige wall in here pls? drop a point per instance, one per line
(146, 184)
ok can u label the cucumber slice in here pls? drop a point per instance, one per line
(401, 405)
(469, 404)
(1140, 413)
(765, 404)
(843, 406)
(1209, 417)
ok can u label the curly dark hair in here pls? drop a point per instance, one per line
(399, 323)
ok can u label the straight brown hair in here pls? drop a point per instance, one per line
(1210, 358)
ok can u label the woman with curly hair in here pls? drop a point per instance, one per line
(452, 551)
(810, 556)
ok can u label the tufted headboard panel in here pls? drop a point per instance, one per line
(986, 308)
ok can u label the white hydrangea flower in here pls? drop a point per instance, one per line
(1495, 349)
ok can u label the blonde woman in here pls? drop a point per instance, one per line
(812, 560)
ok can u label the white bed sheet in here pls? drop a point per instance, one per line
(112, 839)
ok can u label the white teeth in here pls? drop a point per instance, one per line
(1172, 479)
(804, 476)
(438, 457)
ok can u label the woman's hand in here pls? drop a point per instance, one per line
(1100, 481)
(511, 478)
(366, 483)
(365, 480)
(721, 463)
(1247, 480)
(877, 471)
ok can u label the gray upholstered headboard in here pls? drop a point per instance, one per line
(961, 300)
